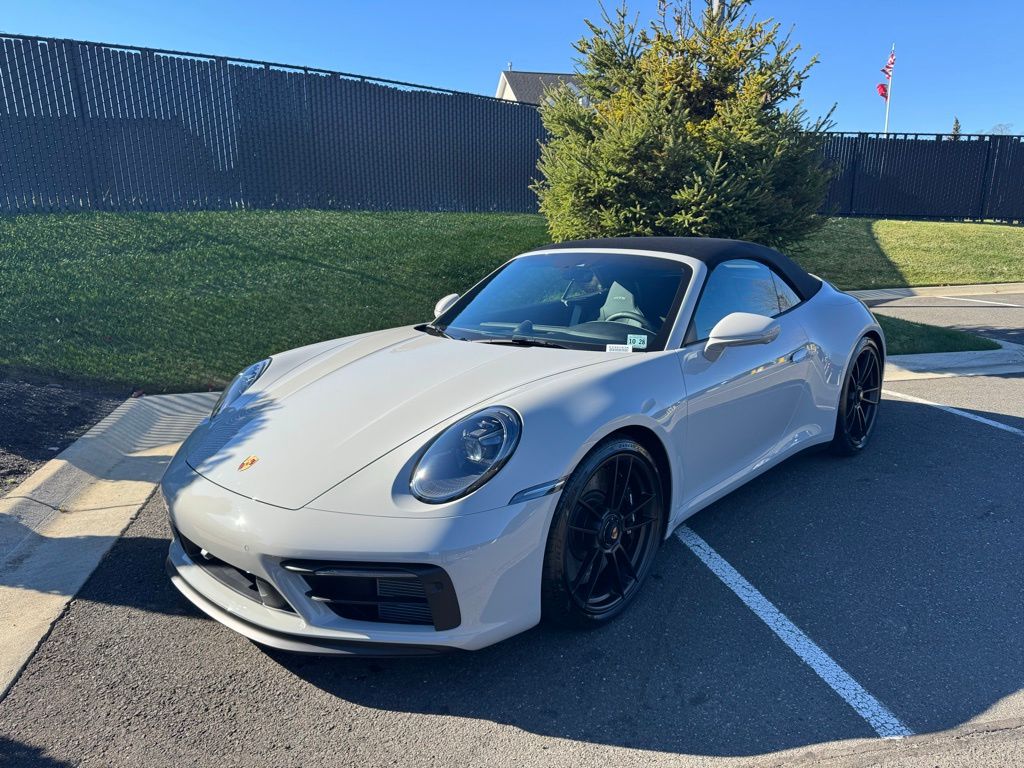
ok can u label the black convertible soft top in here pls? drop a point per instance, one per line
(712, 251)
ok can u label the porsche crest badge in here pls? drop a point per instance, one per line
(249, 461)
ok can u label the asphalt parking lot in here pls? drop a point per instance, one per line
(902, 566)
(999, 316)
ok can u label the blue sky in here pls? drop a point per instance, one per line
(952, 57)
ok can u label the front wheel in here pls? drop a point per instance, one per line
(859, 400)
(604, 536)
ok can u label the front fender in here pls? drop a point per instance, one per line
(834, 322)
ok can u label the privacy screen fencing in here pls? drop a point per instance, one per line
(926, 176)
(105, 127)
(93, 126)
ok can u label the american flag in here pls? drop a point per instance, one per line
(887, 69)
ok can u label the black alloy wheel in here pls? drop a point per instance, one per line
(605, 535)
(859, 401)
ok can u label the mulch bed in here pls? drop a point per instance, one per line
(39, 419)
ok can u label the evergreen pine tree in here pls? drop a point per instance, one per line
(691, 127)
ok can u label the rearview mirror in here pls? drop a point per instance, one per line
(442, 306)
(740, 329)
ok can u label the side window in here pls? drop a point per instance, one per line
(787, 296)
(740, 285)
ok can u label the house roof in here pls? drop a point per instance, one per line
(529, 87)
(712, 251)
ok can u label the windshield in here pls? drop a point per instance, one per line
(575, 300)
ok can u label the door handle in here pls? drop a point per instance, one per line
(799, 356)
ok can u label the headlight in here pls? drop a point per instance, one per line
(466, 455)
(239, 384)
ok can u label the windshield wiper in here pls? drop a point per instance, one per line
(523, 341)
(433, 330)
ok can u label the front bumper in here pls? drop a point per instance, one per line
(293, 643)
(492, 561)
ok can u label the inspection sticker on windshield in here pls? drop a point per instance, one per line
(617, 348)
(637, 341)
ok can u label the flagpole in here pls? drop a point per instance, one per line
(888, 93)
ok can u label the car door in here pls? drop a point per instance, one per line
(740, 404)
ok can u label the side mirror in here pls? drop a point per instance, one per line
(740, 329)
(442, 306)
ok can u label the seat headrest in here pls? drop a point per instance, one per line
(619, 300)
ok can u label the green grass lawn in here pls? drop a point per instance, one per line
(882, 253)
(904, 337)
(181, 301)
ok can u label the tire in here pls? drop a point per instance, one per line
(599, 552)
(858, 402)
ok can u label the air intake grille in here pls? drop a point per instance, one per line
(384, 593)
(242, 582)
(401, 588)
(405, 613)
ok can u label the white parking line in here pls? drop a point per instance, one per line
(884, 722)
(981, 301)
(956, 412)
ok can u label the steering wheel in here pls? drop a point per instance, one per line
(628, 314)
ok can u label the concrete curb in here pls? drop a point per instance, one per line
(1009, 359)
(59, 523)
(878, 296)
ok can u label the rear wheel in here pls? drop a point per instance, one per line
(858, 403)
(604, 536)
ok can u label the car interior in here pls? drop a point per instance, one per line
(597, 305)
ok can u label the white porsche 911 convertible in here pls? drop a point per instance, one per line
(447, 485)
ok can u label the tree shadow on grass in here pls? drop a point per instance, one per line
(846, 252)
(999, 323)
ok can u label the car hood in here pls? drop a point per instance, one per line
(316, 421)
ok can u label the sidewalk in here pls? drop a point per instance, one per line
(1009, 359)
(59, 523)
